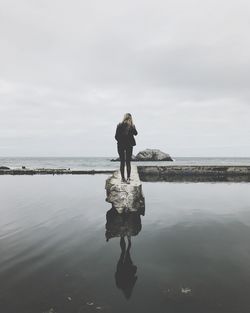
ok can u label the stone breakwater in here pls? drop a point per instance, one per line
(51, 171)
(195, 173)
(170, 173)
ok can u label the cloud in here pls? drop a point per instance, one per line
(69, 71)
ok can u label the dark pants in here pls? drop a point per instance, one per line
(125, 154)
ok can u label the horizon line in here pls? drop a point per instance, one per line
(115, 156)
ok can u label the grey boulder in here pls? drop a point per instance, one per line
(125, 197)
(153, 155)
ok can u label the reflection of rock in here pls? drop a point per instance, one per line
(153, 155)
(120, 225)
(125, 197)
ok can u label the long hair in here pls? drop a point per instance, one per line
(127, 119)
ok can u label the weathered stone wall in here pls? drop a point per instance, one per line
(197, 173)
(51, 171)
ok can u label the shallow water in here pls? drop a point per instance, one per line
(191, 253)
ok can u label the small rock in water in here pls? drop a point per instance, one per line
(50, 311)
(186, 290)
(90, 303)
(98, 308)
(23, 167)
(69, 298)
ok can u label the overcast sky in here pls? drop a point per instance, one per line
(69, 70)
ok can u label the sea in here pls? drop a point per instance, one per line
(63, 249)
(104, 163)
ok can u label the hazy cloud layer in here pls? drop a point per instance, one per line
(70, 70)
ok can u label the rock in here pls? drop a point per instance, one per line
(23, 167)
(186, 290)
(133, 158)
(149, 155)
(4, 168)
(125, 197)
(153, 155)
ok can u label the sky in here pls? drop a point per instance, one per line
(70, 70)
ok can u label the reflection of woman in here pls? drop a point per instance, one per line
(125, 275)
(124, 135)
(124, 225)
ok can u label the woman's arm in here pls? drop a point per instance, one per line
(134, 130)
(117, 132)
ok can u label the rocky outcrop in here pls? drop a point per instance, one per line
(125, 197)
(149, 155)
(153, 155)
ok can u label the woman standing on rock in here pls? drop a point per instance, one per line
(124, 135)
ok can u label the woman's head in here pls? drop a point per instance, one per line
(127, 119)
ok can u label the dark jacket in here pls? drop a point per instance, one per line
(123, 138)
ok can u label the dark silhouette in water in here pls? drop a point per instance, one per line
(125, 276)
(124, 135)
(124, 225)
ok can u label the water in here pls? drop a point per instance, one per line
(102, 163)
(191, 252)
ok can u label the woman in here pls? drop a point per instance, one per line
(124, 135)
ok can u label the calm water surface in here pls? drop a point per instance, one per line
(104, 163)
(191, 252)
